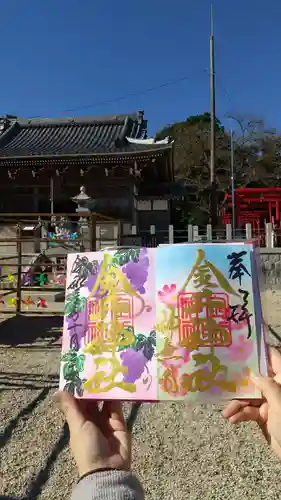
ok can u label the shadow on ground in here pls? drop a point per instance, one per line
(16, 380)
(3, 497)
(37, 483)
(24, 413)
(28, 329)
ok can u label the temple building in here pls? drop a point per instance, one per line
(44, 161)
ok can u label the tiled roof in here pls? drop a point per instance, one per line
(53, 137)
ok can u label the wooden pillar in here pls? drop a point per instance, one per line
(134, 203)
(277, 210)
(237, 210)
(92, 227)
(270, 212)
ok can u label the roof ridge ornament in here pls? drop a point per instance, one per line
(149, 141)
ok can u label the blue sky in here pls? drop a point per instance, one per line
(59, 55)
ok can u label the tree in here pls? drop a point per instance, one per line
(257, 153)
(192, 161)
(257, 159)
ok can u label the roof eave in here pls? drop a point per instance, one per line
(88, 155)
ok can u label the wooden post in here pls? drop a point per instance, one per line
(196, 233)
(209, 232)
(98, 238)
(268, 235)
(248, 231)
(19, 252)
(93, 240)
(116, 236)
(228, 232)
(171, 234)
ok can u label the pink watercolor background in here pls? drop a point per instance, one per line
(143, 323)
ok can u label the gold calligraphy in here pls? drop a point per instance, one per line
(203, 321)
(203, 315)
(111, 312)
(204, 379)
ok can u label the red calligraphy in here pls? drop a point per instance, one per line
(204, 319)
(104, 315)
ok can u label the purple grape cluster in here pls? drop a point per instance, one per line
(92, 278)
(137, 272)
(135, 361)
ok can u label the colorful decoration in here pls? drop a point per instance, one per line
(41, 302)
(42, 279)
(27, 278)
(12, 279)
(12, 301)
(28, 301)
(6, 300)
(60, 279)
(67, 235)
(178, 322)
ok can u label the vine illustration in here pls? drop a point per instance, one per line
(135, 354)
(73, 365)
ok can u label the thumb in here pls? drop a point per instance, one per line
(269, 388)
(70, 409)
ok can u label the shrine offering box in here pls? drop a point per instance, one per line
(172, 323)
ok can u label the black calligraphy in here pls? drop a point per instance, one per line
(236, 267)
(82, 268)
(240, 313)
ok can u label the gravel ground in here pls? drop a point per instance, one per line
(180, 452)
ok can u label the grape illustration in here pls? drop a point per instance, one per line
(137, 272)
(146, 344)
(135, 361)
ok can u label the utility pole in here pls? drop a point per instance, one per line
(232, 183)
(213, 184)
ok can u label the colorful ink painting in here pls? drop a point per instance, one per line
(178, 322)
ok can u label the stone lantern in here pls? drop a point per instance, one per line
(82, 201)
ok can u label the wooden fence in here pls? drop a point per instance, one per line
(270, 237)
(33, 271)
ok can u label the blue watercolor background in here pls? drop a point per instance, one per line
(174, 263)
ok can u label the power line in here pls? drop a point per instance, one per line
(127, 96)
(132, 94)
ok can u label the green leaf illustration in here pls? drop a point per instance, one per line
(122, 337)
(79, 388)
(74, 303)
(140, 341)
(69, 356)
(69, 371)
(80, 360)
(123, 256)
(70, 387)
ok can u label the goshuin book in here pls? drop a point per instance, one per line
(177, 322)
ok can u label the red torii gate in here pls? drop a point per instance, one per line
(255, 206)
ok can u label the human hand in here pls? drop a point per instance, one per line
(98, 438)
(267, 411)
